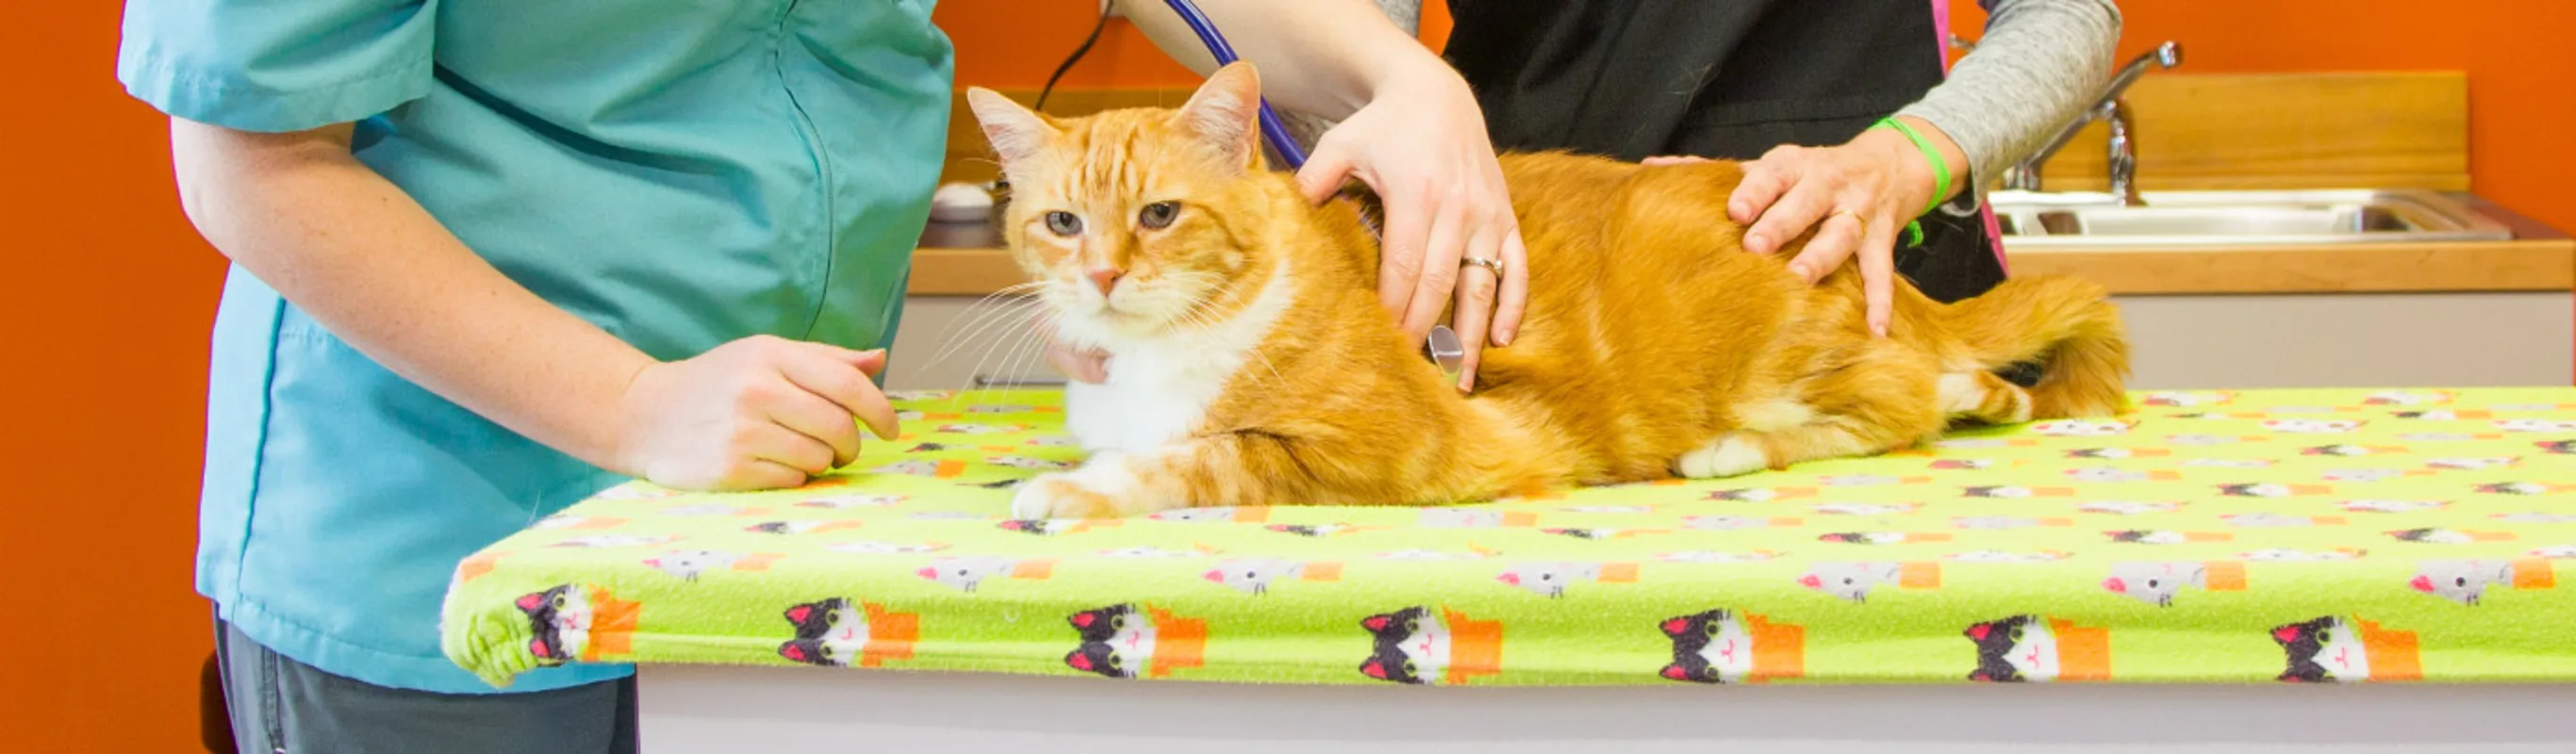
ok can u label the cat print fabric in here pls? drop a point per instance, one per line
(1128, 641)
(1427, 646)
(2032, 649)
(839, 632)
(2154, 548)
(575, 622)
(2337, 649)
(1725, 646)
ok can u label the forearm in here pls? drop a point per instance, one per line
(2038, 64)
(364, 259)
(1322, 57)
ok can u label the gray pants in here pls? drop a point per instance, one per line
(280, 706)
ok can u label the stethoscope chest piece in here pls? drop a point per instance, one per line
(1445, 350)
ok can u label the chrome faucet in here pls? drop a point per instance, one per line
(2109, 107)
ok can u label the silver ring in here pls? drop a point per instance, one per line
(1491, 264)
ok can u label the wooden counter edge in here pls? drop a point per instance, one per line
(2529, 264)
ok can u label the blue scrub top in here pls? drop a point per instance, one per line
(681, 173)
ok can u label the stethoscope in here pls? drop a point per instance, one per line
(1442, 346)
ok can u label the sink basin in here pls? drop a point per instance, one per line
(2238, 218)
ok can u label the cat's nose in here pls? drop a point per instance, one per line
(1106, 278)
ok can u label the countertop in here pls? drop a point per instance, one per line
(966, 260)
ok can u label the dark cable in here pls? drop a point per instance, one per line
(1076, 57)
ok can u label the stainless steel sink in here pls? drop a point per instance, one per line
(2037, 220)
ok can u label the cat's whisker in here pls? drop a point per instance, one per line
(980, 361)
(992, 340)
(979, 322)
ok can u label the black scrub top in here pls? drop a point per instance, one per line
(1726, 79)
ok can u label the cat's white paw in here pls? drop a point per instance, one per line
(1731, 455)
(1103, 488)
(1052, 495)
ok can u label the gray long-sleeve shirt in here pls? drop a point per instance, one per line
(2038, 65)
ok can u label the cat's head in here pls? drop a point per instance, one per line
(2019, 648)
(559, 621)
(1407, 646)
(1138, 222)
(1117, 641)
(1709, 647)
(830, 632)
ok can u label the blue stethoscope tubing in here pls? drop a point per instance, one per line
(1272, 129)
(1442, 345)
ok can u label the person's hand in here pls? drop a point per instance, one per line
(1856, 196)
(756, 413)
(1078, 364)
(1421, 144)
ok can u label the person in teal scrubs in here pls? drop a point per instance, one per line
(491, 257)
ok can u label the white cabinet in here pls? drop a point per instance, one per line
(2181, 341)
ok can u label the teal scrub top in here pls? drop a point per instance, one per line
(681, 173)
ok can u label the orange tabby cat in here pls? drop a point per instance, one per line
(1251, 363)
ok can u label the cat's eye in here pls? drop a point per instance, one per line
(1408, 668)
(1063, 223)
(1118, 622)
(2325, 637)
(559, 601)
(1116, 661)
(1713, 628)
(1412, 626)
(2016, 634)
(832, 618)
(1158, 215)
(825, 650)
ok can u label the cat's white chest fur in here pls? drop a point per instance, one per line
(1155, 395)
(1159, 389)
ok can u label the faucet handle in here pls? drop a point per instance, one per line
(2169, 54)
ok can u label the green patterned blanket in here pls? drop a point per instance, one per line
(2257, 536)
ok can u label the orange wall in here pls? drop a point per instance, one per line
(111, 294)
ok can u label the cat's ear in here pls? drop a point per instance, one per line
(1016, 132)
(1226, 112)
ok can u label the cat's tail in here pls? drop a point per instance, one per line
(2065, 323)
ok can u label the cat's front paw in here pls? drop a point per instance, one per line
(1104, 488)
(1056, 495)
(1731, 455)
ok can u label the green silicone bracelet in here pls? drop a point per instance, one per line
(1940, 167)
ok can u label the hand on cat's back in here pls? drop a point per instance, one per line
(1857, 197)
(1420, 143)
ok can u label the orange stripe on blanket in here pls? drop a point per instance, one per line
(612, 625)
(2083, 654)
(891, 635)
(2394, 655)
(475, 566)
(1178, 643)
(2223, 575)
(1475, 647)
(2534, 573)
(1779, 649)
